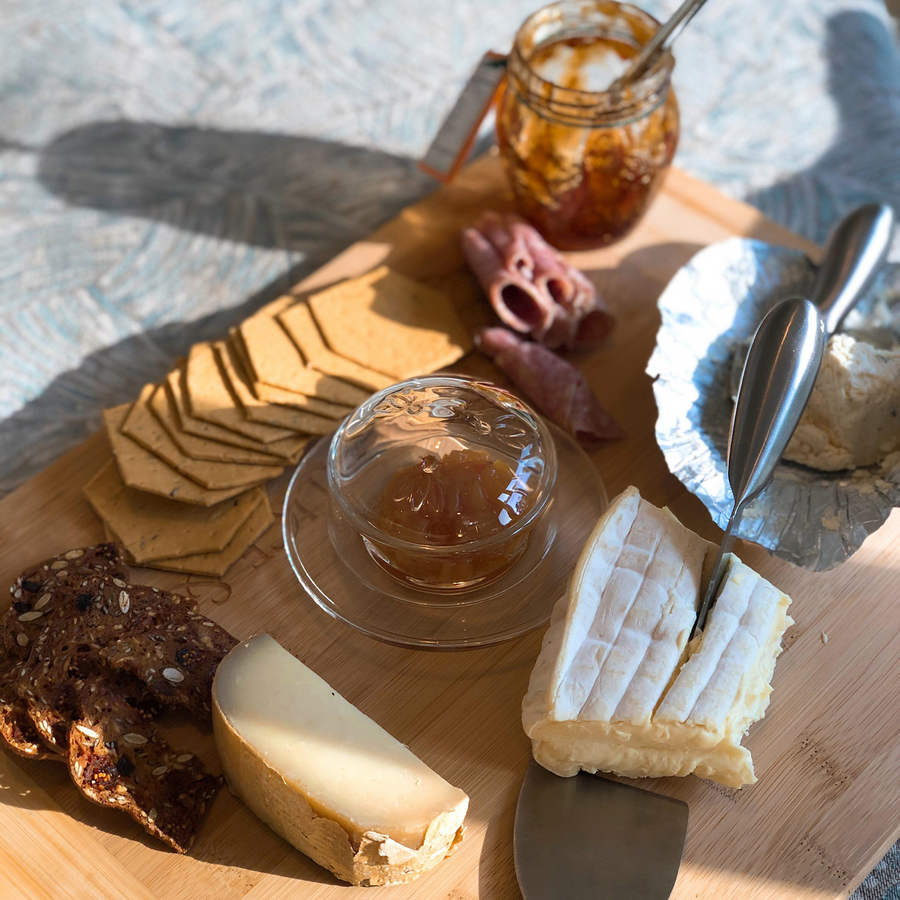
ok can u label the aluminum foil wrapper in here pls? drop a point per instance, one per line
(710, 311)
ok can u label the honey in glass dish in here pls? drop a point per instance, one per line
(448, 501)
(584, 162)
(442, 479)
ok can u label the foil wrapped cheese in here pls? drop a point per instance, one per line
(618, 688)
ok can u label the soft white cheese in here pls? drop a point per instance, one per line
(326, 777)
(617, 688)
(853, 415)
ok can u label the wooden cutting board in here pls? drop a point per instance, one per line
(827, 805)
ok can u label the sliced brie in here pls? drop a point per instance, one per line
(617, 688)
(326, 777)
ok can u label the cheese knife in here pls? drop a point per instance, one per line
(778, 377)
(586, 838)
(589, 837)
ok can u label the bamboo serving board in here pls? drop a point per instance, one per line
(827, 805)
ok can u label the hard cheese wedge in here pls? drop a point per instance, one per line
(324, 776)
(617, 688)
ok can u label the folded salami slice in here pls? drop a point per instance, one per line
(518, 302)
(531, 287)
(555, 386)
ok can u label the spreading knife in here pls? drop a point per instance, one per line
(783, 362)
(778, 377)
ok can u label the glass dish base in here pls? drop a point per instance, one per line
(333, 566)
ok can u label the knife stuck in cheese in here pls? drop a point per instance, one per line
(618, 688)
(326, 777)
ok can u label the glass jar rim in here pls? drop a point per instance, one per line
(371, 530)
(652, 82)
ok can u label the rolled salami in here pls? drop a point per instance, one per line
(516, 299)
(531, 287)
(555, 386)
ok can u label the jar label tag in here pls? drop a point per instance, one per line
(452, 143)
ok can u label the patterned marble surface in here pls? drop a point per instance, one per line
(167, 165)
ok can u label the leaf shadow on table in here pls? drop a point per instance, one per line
(263, 189)
(862, 162)
(307, 196)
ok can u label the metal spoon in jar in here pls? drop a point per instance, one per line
(660, 42)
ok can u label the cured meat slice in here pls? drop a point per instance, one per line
(555, 386)
(531, 287)
(518, 302)
(511, 243)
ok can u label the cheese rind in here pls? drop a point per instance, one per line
(617, 687)
(326, 777)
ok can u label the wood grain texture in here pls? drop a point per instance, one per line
(826, 806)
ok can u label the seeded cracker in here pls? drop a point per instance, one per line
(118, 759)
(142, 426)
(163, 407)
(151, 527)
(32, 608)
(297, 320)
(149, 634)
(258, 410)
(268, 394)
(107, 656)
(256, 394)
(288, 449)
(217, 564)
(210, 398)
(390, 323)
(276, 361)
(145, 471)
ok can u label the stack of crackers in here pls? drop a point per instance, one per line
(184, 491)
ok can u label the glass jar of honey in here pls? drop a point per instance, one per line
(584, 160)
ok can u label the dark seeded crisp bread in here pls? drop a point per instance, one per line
(151, 634)
(17, 732)
(117, 759)
(36, 591)
(93, 659)
(29, 613)
(59, 683)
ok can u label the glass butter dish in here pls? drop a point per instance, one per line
(443, 513)
(444, 479)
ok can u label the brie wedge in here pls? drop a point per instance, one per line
(326, 777)
(617, 688)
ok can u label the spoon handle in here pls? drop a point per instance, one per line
(854, 252)
(662, 39)
(778, 377)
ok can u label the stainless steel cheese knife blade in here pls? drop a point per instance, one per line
(779, 374)
(587, 837)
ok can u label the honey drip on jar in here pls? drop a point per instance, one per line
(581, 182)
